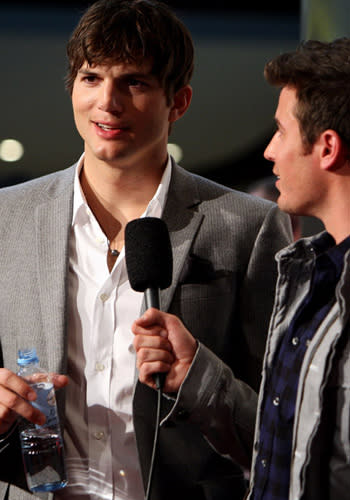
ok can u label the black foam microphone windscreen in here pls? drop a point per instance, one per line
(148, 254)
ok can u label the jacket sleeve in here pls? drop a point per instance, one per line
(222, 406)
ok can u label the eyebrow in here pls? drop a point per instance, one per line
(85, 71)
(131, 74)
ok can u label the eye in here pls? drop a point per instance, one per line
(136, 83)
(89, 78)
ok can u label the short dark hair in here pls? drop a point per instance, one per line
(133, 31)
(320, 74)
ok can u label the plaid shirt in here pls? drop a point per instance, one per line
(276, 432)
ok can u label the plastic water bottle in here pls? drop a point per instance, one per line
(42, 445)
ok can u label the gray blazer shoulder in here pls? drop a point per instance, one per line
(228, 205)
(40, 189)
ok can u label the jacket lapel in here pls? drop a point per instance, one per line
(183, 222)
(52, 223)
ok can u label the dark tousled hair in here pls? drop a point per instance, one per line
(320, 74)
(131, 31)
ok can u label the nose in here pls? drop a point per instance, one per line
(269, 151)
(109, 98)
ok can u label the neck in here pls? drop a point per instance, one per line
(338, 231)
(335, 210)
(117, 196)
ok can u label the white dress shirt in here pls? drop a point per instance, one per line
(101, 455)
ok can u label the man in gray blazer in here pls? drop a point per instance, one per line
(64, 286)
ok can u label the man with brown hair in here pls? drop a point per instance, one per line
(302, 443)
(130, 64)
(302, 439)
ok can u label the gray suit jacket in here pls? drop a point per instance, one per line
(223, 286)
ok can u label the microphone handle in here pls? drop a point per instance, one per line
(152, 300)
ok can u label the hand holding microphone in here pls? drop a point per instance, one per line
(163, 344)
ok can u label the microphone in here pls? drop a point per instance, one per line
(149, 261)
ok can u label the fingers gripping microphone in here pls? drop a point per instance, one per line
(149, 260)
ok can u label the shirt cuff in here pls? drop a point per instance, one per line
(198, 385)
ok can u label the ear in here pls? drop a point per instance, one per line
(332, 151)
(180, 103)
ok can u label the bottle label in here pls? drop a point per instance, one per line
(46, 402)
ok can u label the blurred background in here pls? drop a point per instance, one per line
(230, 121)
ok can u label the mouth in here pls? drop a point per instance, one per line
(110, 131)
(104, 126)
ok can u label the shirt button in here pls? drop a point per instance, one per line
(104, 297)
(182, 414)
(276, 401)
(295, 341)
(99, 435)
(264, 463)
(308, 342)
(99, 367)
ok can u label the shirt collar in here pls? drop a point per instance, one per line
(328, 251)
(155, 207)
